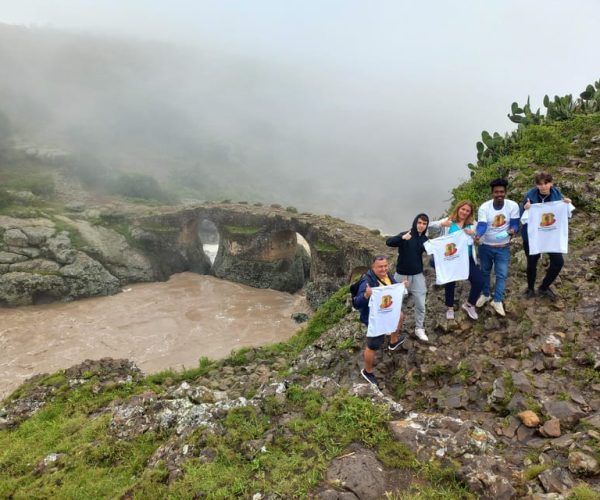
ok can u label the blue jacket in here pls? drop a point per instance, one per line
(362, 303)
(534, 196)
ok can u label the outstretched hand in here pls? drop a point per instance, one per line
(407, 236)
(446, 222)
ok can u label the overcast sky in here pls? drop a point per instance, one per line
(423, 78)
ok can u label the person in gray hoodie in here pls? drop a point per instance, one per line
(409, 267)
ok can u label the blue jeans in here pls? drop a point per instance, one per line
(498, 257)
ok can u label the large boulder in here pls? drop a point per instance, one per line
(113, 251)
(25, 288)
(86, 277)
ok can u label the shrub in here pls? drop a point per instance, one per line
(140, 186)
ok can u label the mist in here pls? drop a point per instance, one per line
(371, 116)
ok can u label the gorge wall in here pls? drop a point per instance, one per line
(96, 251)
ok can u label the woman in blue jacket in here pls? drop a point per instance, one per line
(543, 192)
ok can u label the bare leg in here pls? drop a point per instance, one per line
(394, 336)
(369, 359)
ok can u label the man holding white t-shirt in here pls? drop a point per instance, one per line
(543, 192)
(498, 221)
(379, 276)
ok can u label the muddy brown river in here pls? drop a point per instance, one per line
(158, 325)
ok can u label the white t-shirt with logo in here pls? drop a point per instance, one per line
(451, 256)
(385, 306)
(497, 221)
(548, 227)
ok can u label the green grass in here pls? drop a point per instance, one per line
(535, 470)
(246, 230)
(321, 246)
(77, 240)
(583, 492)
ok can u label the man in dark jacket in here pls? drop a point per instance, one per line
(378, 275)
(543, 192)
(410, 267)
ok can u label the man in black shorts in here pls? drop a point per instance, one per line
(378, 275)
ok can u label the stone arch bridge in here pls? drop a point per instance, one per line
(258, 245)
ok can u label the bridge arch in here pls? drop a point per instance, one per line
(259, 245)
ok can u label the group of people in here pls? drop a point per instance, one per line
(488, 238)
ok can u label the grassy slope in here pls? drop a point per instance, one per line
(97, 465)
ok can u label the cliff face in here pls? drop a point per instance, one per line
(498, 408)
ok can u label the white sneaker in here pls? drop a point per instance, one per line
(420, 334)
(470, 310)
(499, 308)
(481, 301)
(450, 314)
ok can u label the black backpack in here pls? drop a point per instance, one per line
(356, 285)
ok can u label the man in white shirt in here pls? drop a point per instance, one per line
(497, 222)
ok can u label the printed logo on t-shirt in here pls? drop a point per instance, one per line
(450, 249)
(386, 302)
(547, 219)
(499, 220)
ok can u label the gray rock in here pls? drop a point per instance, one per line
(40, 266)
(521, 382)
(30, 252)
(59, 248)
(498, 393)
(360, 473)
(18, 289)
(335, 495)
(594, 420)
(518, 403)
(300, 317)
(11, 258)
(112, 250)
(583, 464)
(565, 411)
(489, 478)
(37, 235)
(15, 237)
(86, 277)
(556, 480)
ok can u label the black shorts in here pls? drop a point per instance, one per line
(374, 343)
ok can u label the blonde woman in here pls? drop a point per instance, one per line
(461, 218)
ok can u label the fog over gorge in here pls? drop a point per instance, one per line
(369, 119)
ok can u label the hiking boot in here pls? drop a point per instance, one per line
(420, 334)
(450, 314)
(499, 308)
(546, 292)
(370, 377)
(394, 346)
(470, 310)
(530, 293)
(482, 301)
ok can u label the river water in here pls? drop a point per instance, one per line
(158, 325)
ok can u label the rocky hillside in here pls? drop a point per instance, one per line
(498, 408)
